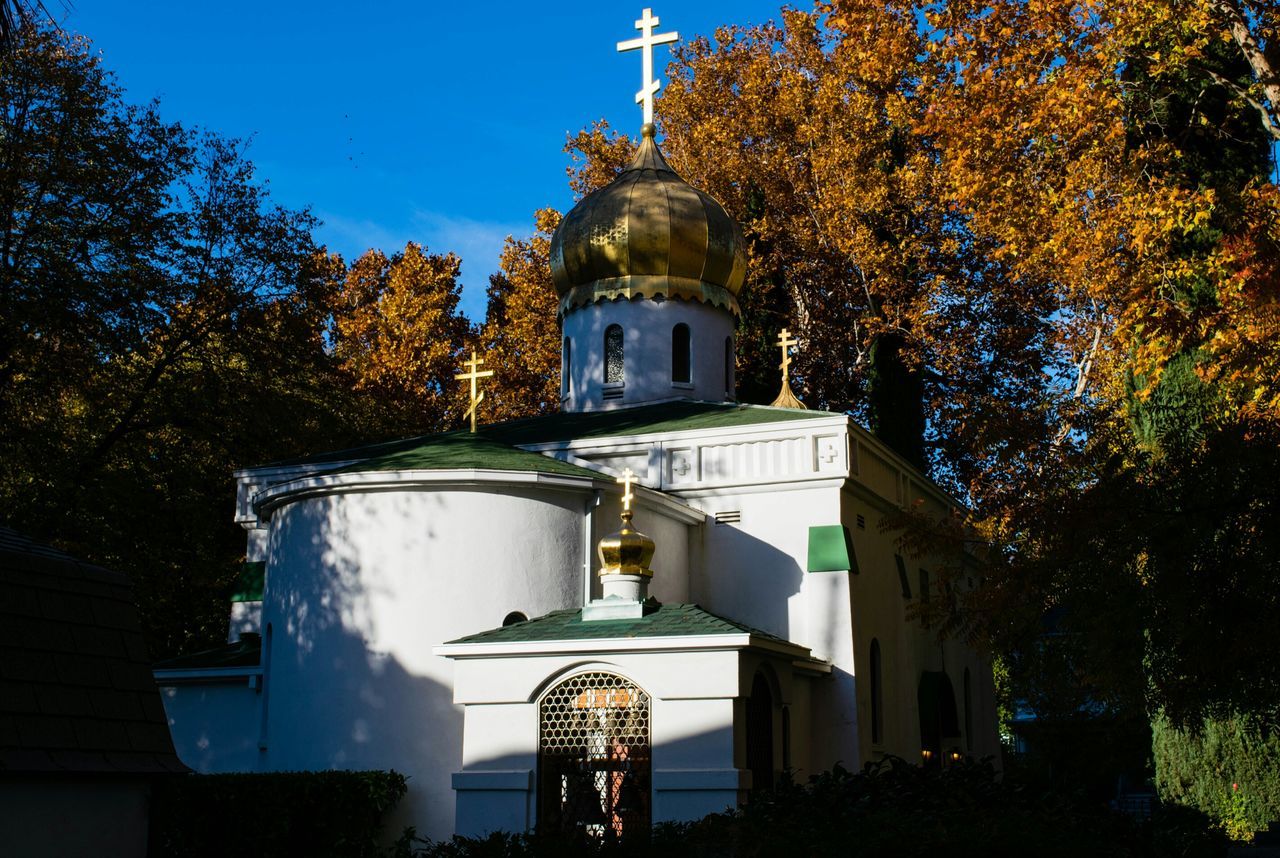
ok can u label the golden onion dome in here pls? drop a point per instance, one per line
(648, 233)
(627, 552)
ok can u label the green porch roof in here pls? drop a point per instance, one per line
(494, 442)
(666, 621)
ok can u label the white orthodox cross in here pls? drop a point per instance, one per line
(473, 375)
(648, 39)
(627, 478)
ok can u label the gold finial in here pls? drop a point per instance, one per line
(786, 398)
(645, 44)
(474, 374)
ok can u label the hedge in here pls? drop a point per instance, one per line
(316, 814)
(1226, 769)
(891, 808)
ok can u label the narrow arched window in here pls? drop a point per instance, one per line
(728, 367)
(877, 694)
(968, 712)
(613, 354)
(786, 738)
(680, 348)
(566, 367)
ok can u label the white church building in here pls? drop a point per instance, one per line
(636, 610)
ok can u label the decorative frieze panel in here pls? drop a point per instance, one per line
(755, 461)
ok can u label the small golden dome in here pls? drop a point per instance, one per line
(627, 552)
(648, 233)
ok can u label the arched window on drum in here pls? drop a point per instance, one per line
(681, 357)
(613, 369)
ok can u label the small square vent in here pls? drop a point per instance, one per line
(862, 523)
(612, 393)
(729, 516)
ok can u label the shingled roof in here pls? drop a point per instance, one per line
(677, 416)
(672, 620)
(76, 690)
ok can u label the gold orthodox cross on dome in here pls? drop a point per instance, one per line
(474, 375)
(628, 477)
(645, 44)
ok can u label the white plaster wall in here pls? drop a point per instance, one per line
(754, 571)
(361, 586)
(214, 725)
(647, 326)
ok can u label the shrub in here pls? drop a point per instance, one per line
(315, 814)
(1226, 769)
(890, 809)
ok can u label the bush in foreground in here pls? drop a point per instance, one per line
(889, 809)
(273, 815)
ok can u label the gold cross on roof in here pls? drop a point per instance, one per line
(473, 375)
(785, 342)
(645, 44)
(628, 477)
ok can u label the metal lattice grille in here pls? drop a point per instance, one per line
(593, 764)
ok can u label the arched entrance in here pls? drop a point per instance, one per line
(594, 757)
(760, 734)
(938, 723)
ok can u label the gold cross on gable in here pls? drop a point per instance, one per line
(628, 477)
(645, 44)
(785, 342)
(474, 374)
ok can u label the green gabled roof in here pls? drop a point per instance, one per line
(640, 420)
(246, 652)
(568, 625)
(465, 451)
(678, 416)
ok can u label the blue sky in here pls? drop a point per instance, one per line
(441, 123)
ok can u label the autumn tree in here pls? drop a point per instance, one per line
(520, 337)
(398, 334)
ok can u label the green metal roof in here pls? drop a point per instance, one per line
(679, 416)
(666, 621)
(464, 450)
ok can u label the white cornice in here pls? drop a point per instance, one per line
(681, 643)
(273, 497)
